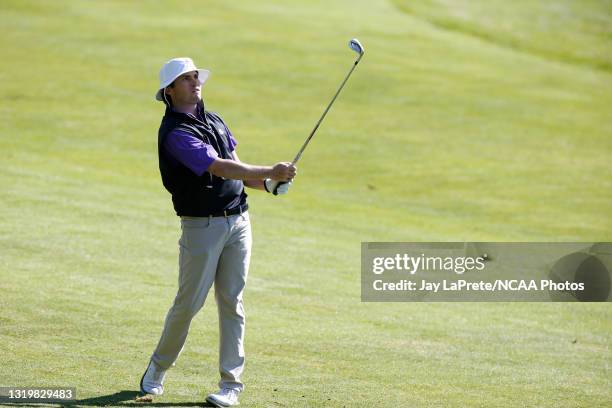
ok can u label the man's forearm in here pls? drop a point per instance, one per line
(256, 184)
(236, 170)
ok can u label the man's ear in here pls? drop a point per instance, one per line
(168, 90)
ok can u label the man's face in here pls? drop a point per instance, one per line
(186, 90)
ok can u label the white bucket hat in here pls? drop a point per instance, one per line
(173, 69)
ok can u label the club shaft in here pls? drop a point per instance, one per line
(297, 156)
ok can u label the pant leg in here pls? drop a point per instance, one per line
(229, 287)
(201, 244)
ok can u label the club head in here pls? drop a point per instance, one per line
(356, 46)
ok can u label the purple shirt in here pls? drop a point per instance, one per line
(192, 152)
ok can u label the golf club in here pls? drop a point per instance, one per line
(356, 46)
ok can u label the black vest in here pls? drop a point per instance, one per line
(193, 195)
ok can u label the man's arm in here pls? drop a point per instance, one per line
(267, 184)
(252, 175)
(257, 184)
(200, 157)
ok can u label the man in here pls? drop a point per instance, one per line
(200, 168)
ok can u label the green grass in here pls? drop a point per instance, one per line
(463, 122)
(566, 30)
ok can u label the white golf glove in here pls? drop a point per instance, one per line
(281, 188)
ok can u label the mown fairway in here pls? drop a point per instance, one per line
(465, 121)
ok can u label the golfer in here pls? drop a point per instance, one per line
(201, 170)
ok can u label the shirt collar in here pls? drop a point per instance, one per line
(199, 115)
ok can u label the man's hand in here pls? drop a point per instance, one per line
(276, 187)
(283, 171)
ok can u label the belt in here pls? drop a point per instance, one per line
(232, 211)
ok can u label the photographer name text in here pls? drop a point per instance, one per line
(464, 285)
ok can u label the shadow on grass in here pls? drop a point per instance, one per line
(128, 399)
(121, 399)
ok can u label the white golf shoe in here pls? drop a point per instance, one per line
(226, 397)
(152, 381)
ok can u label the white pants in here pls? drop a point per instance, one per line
(212, 250)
